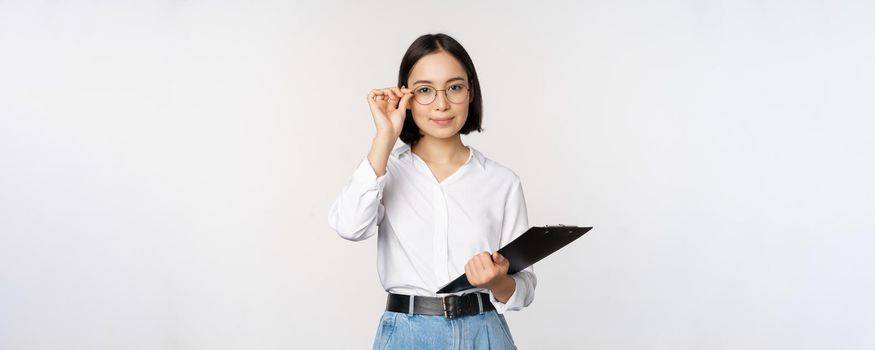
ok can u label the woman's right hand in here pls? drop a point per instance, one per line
(389, 108)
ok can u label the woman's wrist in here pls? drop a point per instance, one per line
(385, 140)
(504, 289)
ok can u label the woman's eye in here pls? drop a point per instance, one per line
(457, 87)
(423, 90)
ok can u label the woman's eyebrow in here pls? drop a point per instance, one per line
(429, 81)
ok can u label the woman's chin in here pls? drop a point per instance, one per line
(443, 133)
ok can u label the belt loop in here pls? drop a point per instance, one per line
(480, 301)
(410, 310)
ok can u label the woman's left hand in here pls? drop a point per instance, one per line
(487, 271)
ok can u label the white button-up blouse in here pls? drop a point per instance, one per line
(428, 230)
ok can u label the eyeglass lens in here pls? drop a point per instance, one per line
(426, 94)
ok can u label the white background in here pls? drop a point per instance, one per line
(167, 169)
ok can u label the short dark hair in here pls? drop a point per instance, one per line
(433, 43)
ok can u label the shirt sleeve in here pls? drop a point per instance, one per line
(358, 209)
(514, 224)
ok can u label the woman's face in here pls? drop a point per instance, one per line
(443, 117)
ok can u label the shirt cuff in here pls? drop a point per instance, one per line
(514, 303)
(365, 175)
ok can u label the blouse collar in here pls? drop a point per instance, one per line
(404, 152)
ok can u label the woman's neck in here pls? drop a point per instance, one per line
(440, 151)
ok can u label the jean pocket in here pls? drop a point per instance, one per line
(505, 329)
(385, 330)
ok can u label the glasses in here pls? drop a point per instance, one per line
(425, 94)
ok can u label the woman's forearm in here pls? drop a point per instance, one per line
(381, 148)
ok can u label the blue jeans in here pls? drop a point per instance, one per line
(398, 330)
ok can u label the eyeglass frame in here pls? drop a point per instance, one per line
(467, 94)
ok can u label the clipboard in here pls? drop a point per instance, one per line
(533, 245)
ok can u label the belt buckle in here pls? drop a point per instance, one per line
(452, 307)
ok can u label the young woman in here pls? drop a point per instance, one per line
(439, 208)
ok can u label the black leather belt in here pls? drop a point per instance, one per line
(450, 306)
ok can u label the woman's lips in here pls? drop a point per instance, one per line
(442, 122)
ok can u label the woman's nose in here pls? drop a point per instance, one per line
(441, 102)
